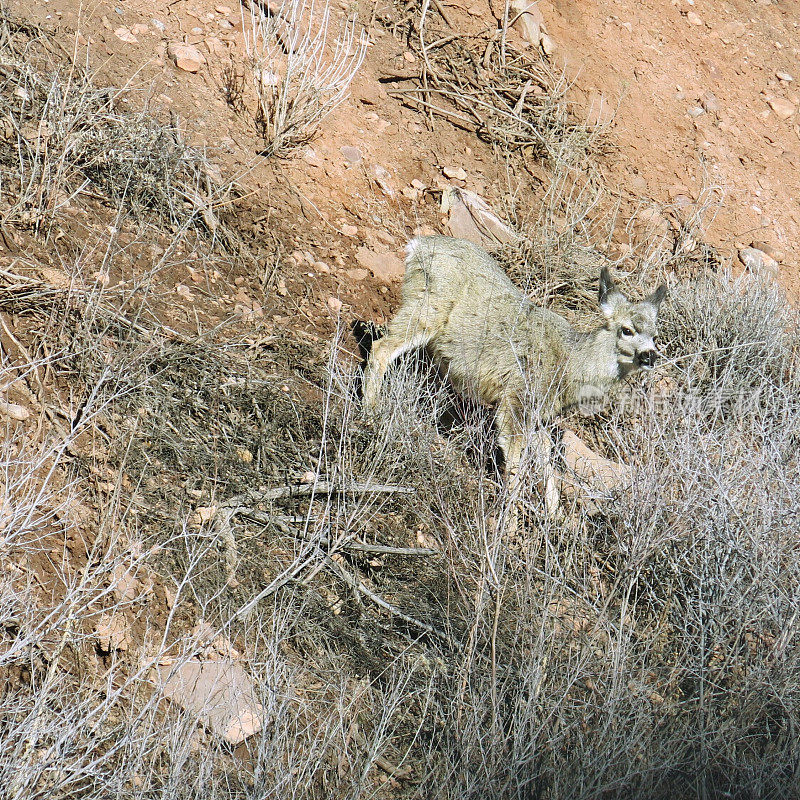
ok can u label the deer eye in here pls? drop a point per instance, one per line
(626, 331)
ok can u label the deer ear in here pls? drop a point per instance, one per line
(608, 296)
(657, 298)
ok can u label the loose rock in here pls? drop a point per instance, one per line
(455, 173)
(589, 472)
(14, 410)
(220, 694)
(125, 35)
(710, 102)
(693, 19)
(529, 20)
(772, 252)
(351, 154)
(384, 179)
(386, 267)
(758, 262)
(112, 633)
(471, 218)
(784, 76)
(548, 45)
(186, 56)
(782, 107)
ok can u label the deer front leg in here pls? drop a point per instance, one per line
(384, 351)
(543, 447)
(512, 442)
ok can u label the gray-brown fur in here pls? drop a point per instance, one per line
(497, 346)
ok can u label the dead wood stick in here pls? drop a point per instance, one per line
(361, 547)
(353, 582)
(443, 14)
(459, 120)
(391, 77)
(322, 487)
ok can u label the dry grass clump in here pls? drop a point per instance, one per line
(65, 137)
(300, 70)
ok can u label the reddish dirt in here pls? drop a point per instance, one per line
(654, 60)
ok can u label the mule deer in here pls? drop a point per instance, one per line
(497, 346)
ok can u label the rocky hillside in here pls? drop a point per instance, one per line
(219, 577)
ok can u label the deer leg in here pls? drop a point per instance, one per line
(384, 352)
(512, 441)
(543, 446)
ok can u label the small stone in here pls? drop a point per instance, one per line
(204, 514)
(224, 10)
(784, 76)
(710, 102)
(418, 185)
(308, 477)
(220, 693)
(14, 410)
(244, 455)
(384, 179)
(310, 157)
(385, 267)
(125, 35)
(547, 44)
(350, 230)
(771, 251)
(126, 587)
(696, 111)
(693, 19)
(409, 56)
(782, 107)
(158, 24)
(185, 56)
(184, 292)
(112, 633)
(475, 10)
(455, 173)
(334, 304)
(215, 46)
(357, 274)
(758, 262)
(351, 154)
(589, 474)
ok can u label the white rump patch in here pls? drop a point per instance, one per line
(411, 248)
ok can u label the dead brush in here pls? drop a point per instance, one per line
(514, 101)
(65, 137)
(300, 72)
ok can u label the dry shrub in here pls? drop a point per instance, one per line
(65, 136)
(511, 99)
(300, 72)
